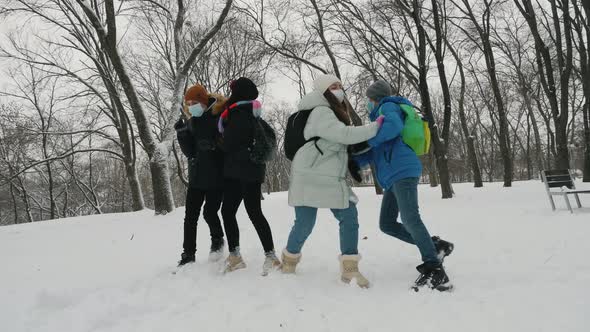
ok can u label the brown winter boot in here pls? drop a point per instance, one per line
(234, 262)
(290, 261)
(349, 266)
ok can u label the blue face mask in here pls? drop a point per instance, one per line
(196, 110)
(370, 105)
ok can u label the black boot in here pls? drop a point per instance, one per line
(434, 277)
(186, 258)
(216, 252)
(443, 248)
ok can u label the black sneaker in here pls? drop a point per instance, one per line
(186, 258)
(443, 248)
(434, 277)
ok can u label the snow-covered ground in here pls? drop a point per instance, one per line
(517, 266)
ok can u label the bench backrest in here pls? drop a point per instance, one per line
(557, 178)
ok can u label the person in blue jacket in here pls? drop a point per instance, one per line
(398, 170)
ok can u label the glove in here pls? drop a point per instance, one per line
(354, 170)
(359, 148)
(380, 120)
(180, 124)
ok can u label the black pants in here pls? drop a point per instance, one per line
(194, 201)
(234, 192)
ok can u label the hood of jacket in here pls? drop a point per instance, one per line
(393, 99)
(312, 100)
(218, 103)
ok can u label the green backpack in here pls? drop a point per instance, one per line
(416, 132)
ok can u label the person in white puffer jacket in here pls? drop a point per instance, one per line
(318, 176)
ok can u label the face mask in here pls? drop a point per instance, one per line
(339, 93)
(196, 110)
(370, 105)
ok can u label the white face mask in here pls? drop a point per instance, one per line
(339, 93)
(196, 110)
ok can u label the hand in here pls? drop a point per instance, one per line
(354, 170)
(380, 120)
(179, 124)
(359, 148)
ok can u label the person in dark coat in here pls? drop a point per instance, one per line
(199, 140)
(243, 177)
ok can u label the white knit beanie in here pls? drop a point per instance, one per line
(323, 82)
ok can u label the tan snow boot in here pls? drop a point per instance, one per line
(290, 262)
(234, 262)
(349, 266)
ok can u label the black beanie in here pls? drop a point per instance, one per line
(243, 89)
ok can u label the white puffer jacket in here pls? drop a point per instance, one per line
(319, 180)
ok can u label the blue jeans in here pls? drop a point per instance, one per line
(402, 198)
(305, 217)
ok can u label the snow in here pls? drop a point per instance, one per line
(517, 266)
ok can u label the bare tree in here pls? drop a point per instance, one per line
(560, 64)
(469, 137)
(582, 28)
(415, 11)
(483, 41)
(96, 78)
(157, 152)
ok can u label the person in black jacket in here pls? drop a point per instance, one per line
(199, 141)
(243, 177)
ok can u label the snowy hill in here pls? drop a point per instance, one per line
(517, 266)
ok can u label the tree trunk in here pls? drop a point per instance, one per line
(538, 149)
(584, 28)
(545, 63)
(53, 214)
(163, 199)
(533, 121)
(502, 119)
(562, 160)
(483, 31)
(66, 202)
(438, 54)
(15, 208)
(432, 172)
(529, 163)
(586, 177)
(471, 155)
(439, 149)
(25, 198)
(126, 137)
(135, 188)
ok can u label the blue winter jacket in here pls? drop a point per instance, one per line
(393, 159)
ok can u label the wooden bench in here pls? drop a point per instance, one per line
(564, 180)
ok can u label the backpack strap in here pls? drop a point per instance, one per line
(315, 142)
(315, 139)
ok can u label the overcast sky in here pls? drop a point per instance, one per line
(278, 89)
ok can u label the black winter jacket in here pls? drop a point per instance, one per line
(237, 140)
(199, 141)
